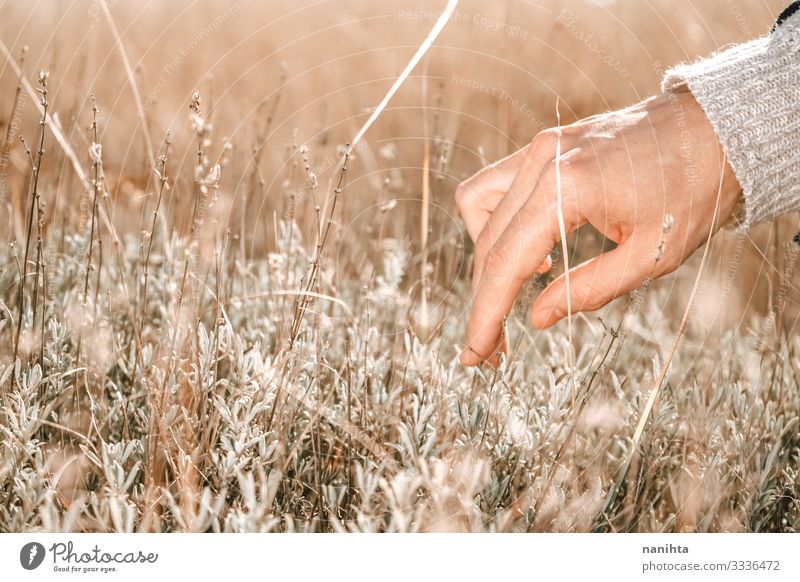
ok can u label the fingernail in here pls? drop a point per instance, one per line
(467, 357)
(545, 266)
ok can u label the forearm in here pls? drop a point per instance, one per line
(751, 95)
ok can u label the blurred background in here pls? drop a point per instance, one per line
(245, 106)
(274, 76)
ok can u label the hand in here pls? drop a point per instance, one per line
(623, 172)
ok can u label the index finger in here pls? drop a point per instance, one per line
(478, 196)
(522, 247)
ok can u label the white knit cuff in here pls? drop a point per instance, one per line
(751, 95)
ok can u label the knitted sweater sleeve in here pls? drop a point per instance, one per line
(751, 95)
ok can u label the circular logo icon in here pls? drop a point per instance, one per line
(31, 555)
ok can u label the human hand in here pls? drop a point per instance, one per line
(623, 172)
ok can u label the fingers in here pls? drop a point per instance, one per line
(478, 196)
(593, 283)
(537, 170)
(522, 247)
(506, 211)
(534, 159)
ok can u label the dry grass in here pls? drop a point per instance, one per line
(202, 349)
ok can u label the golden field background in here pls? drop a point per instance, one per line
(239, 406)
(488, 85)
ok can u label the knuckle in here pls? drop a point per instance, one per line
(574, 164)
(498, 261)
(567, 176)
(568, 168)
(463, 195)
(545, 141)
(587, 297)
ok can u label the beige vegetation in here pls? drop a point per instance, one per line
(201, 349)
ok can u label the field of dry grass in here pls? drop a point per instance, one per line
(206, 326)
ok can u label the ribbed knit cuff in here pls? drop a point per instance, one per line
(751, 95)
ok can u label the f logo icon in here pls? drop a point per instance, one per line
(31, 555)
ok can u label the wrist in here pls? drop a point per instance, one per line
(702, 149)
(748, 94)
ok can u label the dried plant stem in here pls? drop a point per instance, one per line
(322, 237)
(563, 235)
(256, 184)
(659, 380)
(157, 430)
(425, 203)
(310, 281)
(96, 188)
(38, 275)
(131, 81)
(423, 48)
(34, 195)
(62, 141)
(57, 134)
(162, 185)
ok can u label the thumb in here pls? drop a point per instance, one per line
(593, 284)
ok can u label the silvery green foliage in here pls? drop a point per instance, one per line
(209, 419)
